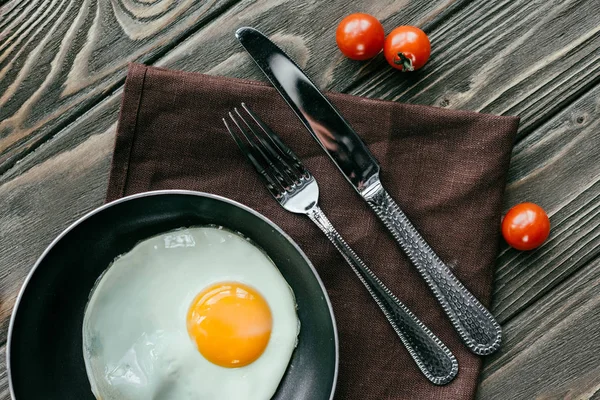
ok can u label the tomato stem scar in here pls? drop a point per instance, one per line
(406, 62)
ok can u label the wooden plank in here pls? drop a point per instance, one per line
(76, 136)
(213, 49)
(451, 79)
(504, 57)
(4, 393)
(551, 351)
(76, 175)
(535, 163)
(557, 167)
(8, 11)
(67, 177)
(42, 202)
(59, 57)
(92, 122)
(522, 278)
(217, 51)
(291, 24)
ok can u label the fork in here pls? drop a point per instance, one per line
(297, 191)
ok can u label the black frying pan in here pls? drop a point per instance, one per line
(44, 352)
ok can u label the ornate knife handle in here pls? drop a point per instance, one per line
(473, 322)
(433, 358)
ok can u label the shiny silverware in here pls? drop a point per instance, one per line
(294, 187)
(473, 322)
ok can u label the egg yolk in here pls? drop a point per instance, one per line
(230, 323)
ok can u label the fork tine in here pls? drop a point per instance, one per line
(270, 182)
(257, 150)
(278, 166)
(283, 150)
(245, 150)
(272, 154)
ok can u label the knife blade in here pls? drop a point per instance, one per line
(473, 322)
(320, 117)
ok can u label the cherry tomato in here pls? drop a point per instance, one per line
(525, 226)
(360, 36)
(407, 48)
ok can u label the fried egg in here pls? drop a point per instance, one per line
(198, 313)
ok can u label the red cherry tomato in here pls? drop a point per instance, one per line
(360, 36)
(407, 48)
(525, 226)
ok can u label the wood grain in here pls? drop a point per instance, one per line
(291, 24)
(71, 46)
(72, 169)
(207, 47)
(40, 203)
(551, 351)
(558, 167)
(78, 71)
(538, 166)
(536, 161)
(4, 393)
(213, 49)
(538, 59)
(504, 57)
(59, 57)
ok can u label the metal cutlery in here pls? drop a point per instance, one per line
(473, 322)
(296, 190)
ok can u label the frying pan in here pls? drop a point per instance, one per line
(44, 350)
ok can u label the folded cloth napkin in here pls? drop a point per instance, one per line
(445, 168)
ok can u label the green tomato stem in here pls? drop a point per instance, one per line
(406, 62)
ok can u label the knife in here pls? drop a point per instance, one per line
(474, 323)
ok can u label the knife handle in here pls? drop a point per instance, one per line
(473, 322)
(432, 357)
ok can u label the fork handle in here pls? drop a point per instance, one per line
(432, 357)
(473, 322)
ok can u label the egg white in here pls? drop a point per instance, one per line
(135, 339)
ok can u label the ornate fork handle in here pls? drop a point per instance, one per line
(433, 358)
(473, 322)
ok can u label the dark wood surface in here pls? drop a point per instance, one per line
(63, 63)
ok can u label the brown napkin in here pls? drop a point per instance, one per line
(445, 168)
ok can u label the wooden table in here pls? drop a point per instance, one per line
(63, 65)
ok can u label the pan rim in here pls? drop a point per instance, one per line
(103, 207)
